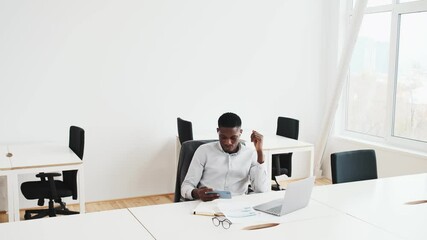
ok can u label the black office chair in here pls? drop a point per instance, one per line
(185, 130)
(185, 156)
(52, 189)
(353, 166)
(282, 163)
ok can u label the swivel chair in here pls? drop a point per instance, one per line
(53, 189)
(188, 148)
(282, 163)
(353, 166)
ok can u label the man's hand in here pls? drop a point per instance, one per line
(257, 139)
(200, 193)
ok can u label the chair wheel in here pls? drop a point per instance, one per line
(27, 216)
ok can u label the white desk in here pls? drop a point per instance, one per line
(361, 210)
(4, 161)
(272, 144)
(381, 202)
(40, 157)
(5, 166)
(115, 224)
(317, 221)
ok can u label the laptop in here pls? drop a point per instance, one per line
(297, 196)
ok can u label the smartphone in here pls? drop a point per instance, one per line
(222, 194)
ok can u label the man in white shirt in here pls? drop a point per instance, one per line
(227, 165)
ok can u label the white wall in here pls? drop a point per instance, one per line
(124, 70)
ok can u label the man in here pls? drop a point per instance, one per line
(227, 165)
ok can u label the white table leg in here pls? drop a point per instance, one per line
(81, 190)
(268, 162)
(14, 192)
(311, 173)
(10, 203)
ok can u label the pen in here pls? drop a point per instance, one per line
(416, 202)
(260, 226)
(219, 214)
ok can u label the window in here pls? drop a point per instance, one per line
(410, 111)
(367, 90)
(386, 97)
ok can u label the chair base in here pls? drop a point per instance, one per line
(51, 211)
(276, 187)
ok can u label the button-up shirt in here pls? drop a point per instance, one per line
(212, 167)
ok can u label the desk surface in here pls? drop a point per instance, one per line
(39, 155)
(116, 224)
(361, 210)
(4, 161)
(317, 221)
(272, 142)
(381, 202)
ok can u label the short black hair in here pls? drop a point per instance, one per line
(229, 120)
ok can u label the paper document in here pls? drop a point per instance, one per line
(238, 212)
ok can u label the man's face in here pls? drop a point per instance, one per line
(229, 138)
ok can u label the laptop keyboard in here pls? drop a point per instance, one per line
(275, 210)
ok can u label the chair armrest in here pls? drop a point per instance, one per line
(44, 175)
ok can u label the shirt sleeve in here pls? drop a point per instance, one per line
(194, 174)
(258, 176)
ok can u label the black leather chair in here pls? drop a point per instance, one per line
(185, 156)
(185, 130)
(353, 166)
(53, 189)
(282, 163)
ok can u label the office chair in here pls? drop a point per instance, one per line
(353, 166)
(186, 154)
(185, 130)
(52, 189)
(282, 163)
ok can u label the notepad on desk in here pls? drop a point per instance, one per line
(207, 209)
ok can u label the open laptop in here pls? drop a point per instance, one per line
(297, 196)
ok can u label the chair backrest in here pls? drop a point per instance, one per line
(77, 140)
(353, 166)
(185, 156)
(76, 144)
(185, 130)
(287, 127)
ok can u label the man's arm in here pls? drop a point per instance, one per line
(258, 172)
(189, 188)
(192, 179)
(257, 139)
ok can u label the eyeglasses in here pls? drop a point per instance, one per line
(223, 221)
